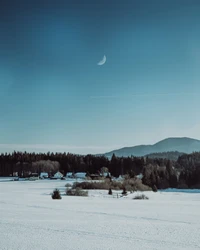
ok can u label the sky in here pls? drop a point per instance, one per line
(55, 97)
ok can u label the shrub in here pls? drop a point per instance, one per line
(130, 184)
(154, 188)
(124, 192)
(56, 195)
(133, 184)
(140, 197)
(92, 185)
(116, 185)
(126, 177)
(76, 192)
(68, 185)
(110, 191)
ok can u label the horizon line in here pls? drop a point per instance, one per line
(68, 148)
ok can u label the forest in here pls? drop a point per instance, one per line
(160, 172)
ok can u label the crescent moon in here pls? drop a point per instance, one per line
(102, 61)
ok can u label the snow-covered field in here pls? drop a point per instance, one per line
(30, 219)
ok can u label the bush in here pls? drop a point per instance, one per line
(56, 195)
(124, 192)
(154, 188)
(110, 191)
(92, 185)
(140, 197)
(76, 192)
(130, 184)
(133, 184)
(68, 185)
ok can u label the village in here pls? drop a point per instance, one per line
(58, 175)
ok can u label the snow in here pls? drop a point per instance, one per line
(30, 219)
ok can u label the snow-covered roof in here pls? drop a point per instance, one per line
(69, 174)
(80, 175)
(43, 174)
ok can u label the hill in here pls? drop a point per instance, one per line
(179, 144)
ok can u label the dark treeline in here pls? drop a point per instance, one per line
(171, 155)
(162, 173)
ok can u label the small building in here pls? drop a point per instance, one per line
(44, 175)
(70, 175)
(58, 175)
(80, 175)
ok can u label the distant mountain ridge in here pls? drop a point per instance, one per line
(179, 144)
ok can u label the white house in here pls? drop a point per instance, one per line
(44, 175)
(58, 175)
(70, 175)
(80, 175)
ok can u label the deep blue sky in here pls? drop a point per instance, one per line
(54, 96)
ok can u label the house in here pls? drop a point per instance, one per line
(70, 175)
(58, 175)
(80, 175)
(44, 175)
